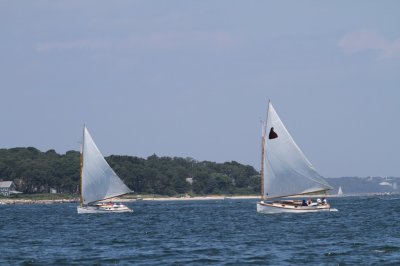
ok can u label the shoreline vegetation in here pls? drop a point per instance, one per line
(37, 173)
(33, 171)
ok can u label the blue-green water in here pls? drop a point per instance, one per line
(365, 231)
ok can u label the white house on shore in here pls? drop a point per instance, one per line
(7, 188)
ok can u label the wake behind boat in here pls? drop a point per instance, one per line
(99, 182)
(286, 172)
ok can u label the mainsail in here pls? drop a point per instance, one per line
(99, 181)
(287, 171)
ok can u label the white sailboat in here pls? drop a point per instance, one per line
(98, 181)
(340, 192)
(286, 172)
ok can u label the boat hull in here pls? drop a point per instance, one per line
(278, 207)
(106, 208)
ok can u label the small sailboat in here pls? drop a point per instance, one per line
(286, 173)
(340, 192)
(99, 182)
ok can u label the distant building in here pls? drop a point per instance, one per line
(53, 191)
(189, 180)
(7, 188)
(384, 183)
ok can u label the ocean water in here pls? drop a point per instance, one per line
(365, 231)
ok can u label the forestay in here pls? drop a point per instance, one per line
(99, 181)
(286, 169)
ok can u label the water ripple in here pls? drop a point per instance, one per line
(365, 231)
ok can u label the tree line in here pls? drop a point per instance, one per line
(34, 171)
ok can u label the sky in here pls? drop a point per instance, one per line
(193, 78)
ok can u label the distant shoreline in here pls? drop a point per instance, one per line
(6, 201)
(201, 198)
(147, 198)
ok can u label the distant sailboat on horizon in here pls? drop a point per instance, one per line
(98, 181)
(286, 172)
(340, 192)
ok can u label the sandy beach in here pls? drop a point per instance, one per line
(215, 197)
(59, 201)
(30, 201)
(4, 201)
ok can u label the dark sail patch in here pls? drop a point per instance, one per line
(272, 134)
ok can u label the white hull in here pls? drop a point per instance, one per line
(103, 208)
(279, 207)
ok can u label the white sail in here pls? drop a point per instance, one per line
(99, 181)
(340, 191)
(287, 171)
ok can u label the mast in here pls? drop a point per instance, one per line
(264, 126)
(81, 161)
(262, 159)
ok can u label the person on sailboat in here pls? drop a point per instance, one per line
(319, 202)
(324, 201)
(304, 203)
(309, 202)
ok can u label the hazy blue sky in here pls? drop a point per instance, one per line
(192, 78)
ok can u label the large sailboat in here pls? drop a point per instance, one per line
(286, 173)
(98, 181)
